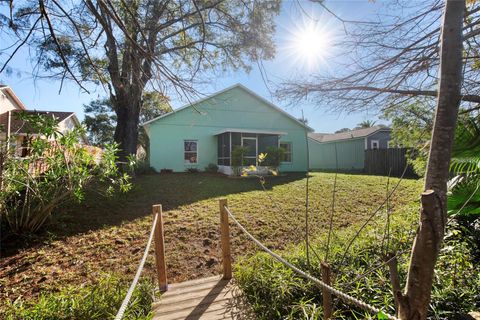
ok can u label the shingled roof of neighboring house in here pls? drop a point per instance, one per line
(18, 126)
(358, 133)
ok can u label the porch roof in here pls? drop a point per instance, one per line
(280, 133)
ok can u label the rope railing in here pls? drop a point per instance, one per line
(343, 296)
(129, 294)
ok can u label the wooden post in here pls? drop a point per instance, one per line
(160, 249)
(327, 296)
(225, 240)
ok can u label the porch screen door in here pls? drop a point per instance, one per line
(250, 157)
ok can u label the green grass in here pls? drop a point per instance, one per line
(276, 292)
(95, 302)
(108, 235)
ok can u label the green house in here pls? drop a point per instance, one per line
(345, 151)
(206, 132)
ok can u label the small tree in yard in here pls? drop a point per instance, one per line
(404, 58)
(57, 169)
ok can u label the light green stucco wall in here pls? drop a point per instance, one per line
(233, 109)
(350, 154)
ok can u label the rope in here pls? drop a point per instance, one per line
(125, 302)
(345, 297)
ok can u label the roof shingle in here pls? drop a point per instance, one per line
(358, 133)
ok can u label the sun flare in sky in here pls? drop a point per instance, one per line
(310, 44)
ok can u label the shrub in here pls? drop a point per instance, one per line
(212, 167)
(237, 159)
(143, 167)
(192, 170)
(276, 292)
(164, 170)
(100, 301)
(57, 169)
(274, 157)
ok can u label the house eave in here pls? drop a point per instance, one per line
(280, 133)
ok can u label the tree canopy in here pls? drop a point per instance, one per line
(128, 46)
(101, 120)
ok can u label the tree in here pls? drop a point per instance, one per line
(411, 124)
(130, 45)
(398, 58)
(392, 58)
(343, 130)
(101, 120)
(413, 304)
(366, 124)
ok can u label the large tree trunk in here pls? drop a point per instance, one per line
(413, 304)
(127, 109)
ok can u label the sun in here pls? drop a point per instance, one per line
(310, 44)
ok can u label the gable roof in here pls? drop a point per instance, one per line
(240, 86)
(12, 94)
(353, 134)
(18, 126)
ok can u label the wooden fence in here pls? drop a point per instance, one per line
(388, 161)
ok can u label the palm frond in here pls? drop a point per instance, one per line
(466, 149)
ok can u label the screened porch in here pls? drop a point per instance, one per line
(255, 141)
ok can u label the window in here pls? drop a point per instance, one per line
(375, 144)
(287, 146)
(190, 151)
(390, 144)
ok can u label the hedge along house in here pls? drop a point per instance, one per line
(207, 131)
(345, 151)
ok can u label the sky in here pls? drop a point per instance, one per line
(294, 56)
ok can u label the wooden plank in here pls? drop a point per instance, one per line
(192, 292)
(225, 239)
(169, 307)
(208, 299)
(190, 283)
(326, 295)
(160, 249)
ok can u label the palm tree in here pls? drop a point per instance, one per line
(366, 124)
(464, 198)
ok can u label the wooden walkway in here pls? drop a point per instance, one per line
(207, 299)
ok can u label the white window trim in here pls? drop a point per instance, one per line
(375, 141)
(189, 163)
(291, 151)
(256, 148)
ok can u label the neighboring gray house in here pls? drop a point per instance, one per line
(346, 150)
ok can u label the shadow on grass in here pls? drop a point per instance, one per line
(171, 190)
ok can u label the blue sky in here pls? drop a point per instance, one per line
(43, 94)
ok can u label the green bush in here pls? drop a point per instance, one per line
(57, 169)
(276, 292)
(274, 157)
(237, 159)
(212, 167)
(100, 301)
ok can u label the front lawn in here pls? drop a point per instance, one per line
(107, 236)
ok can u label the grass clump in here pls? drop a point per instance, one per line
(276, 292)
(99, 301)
